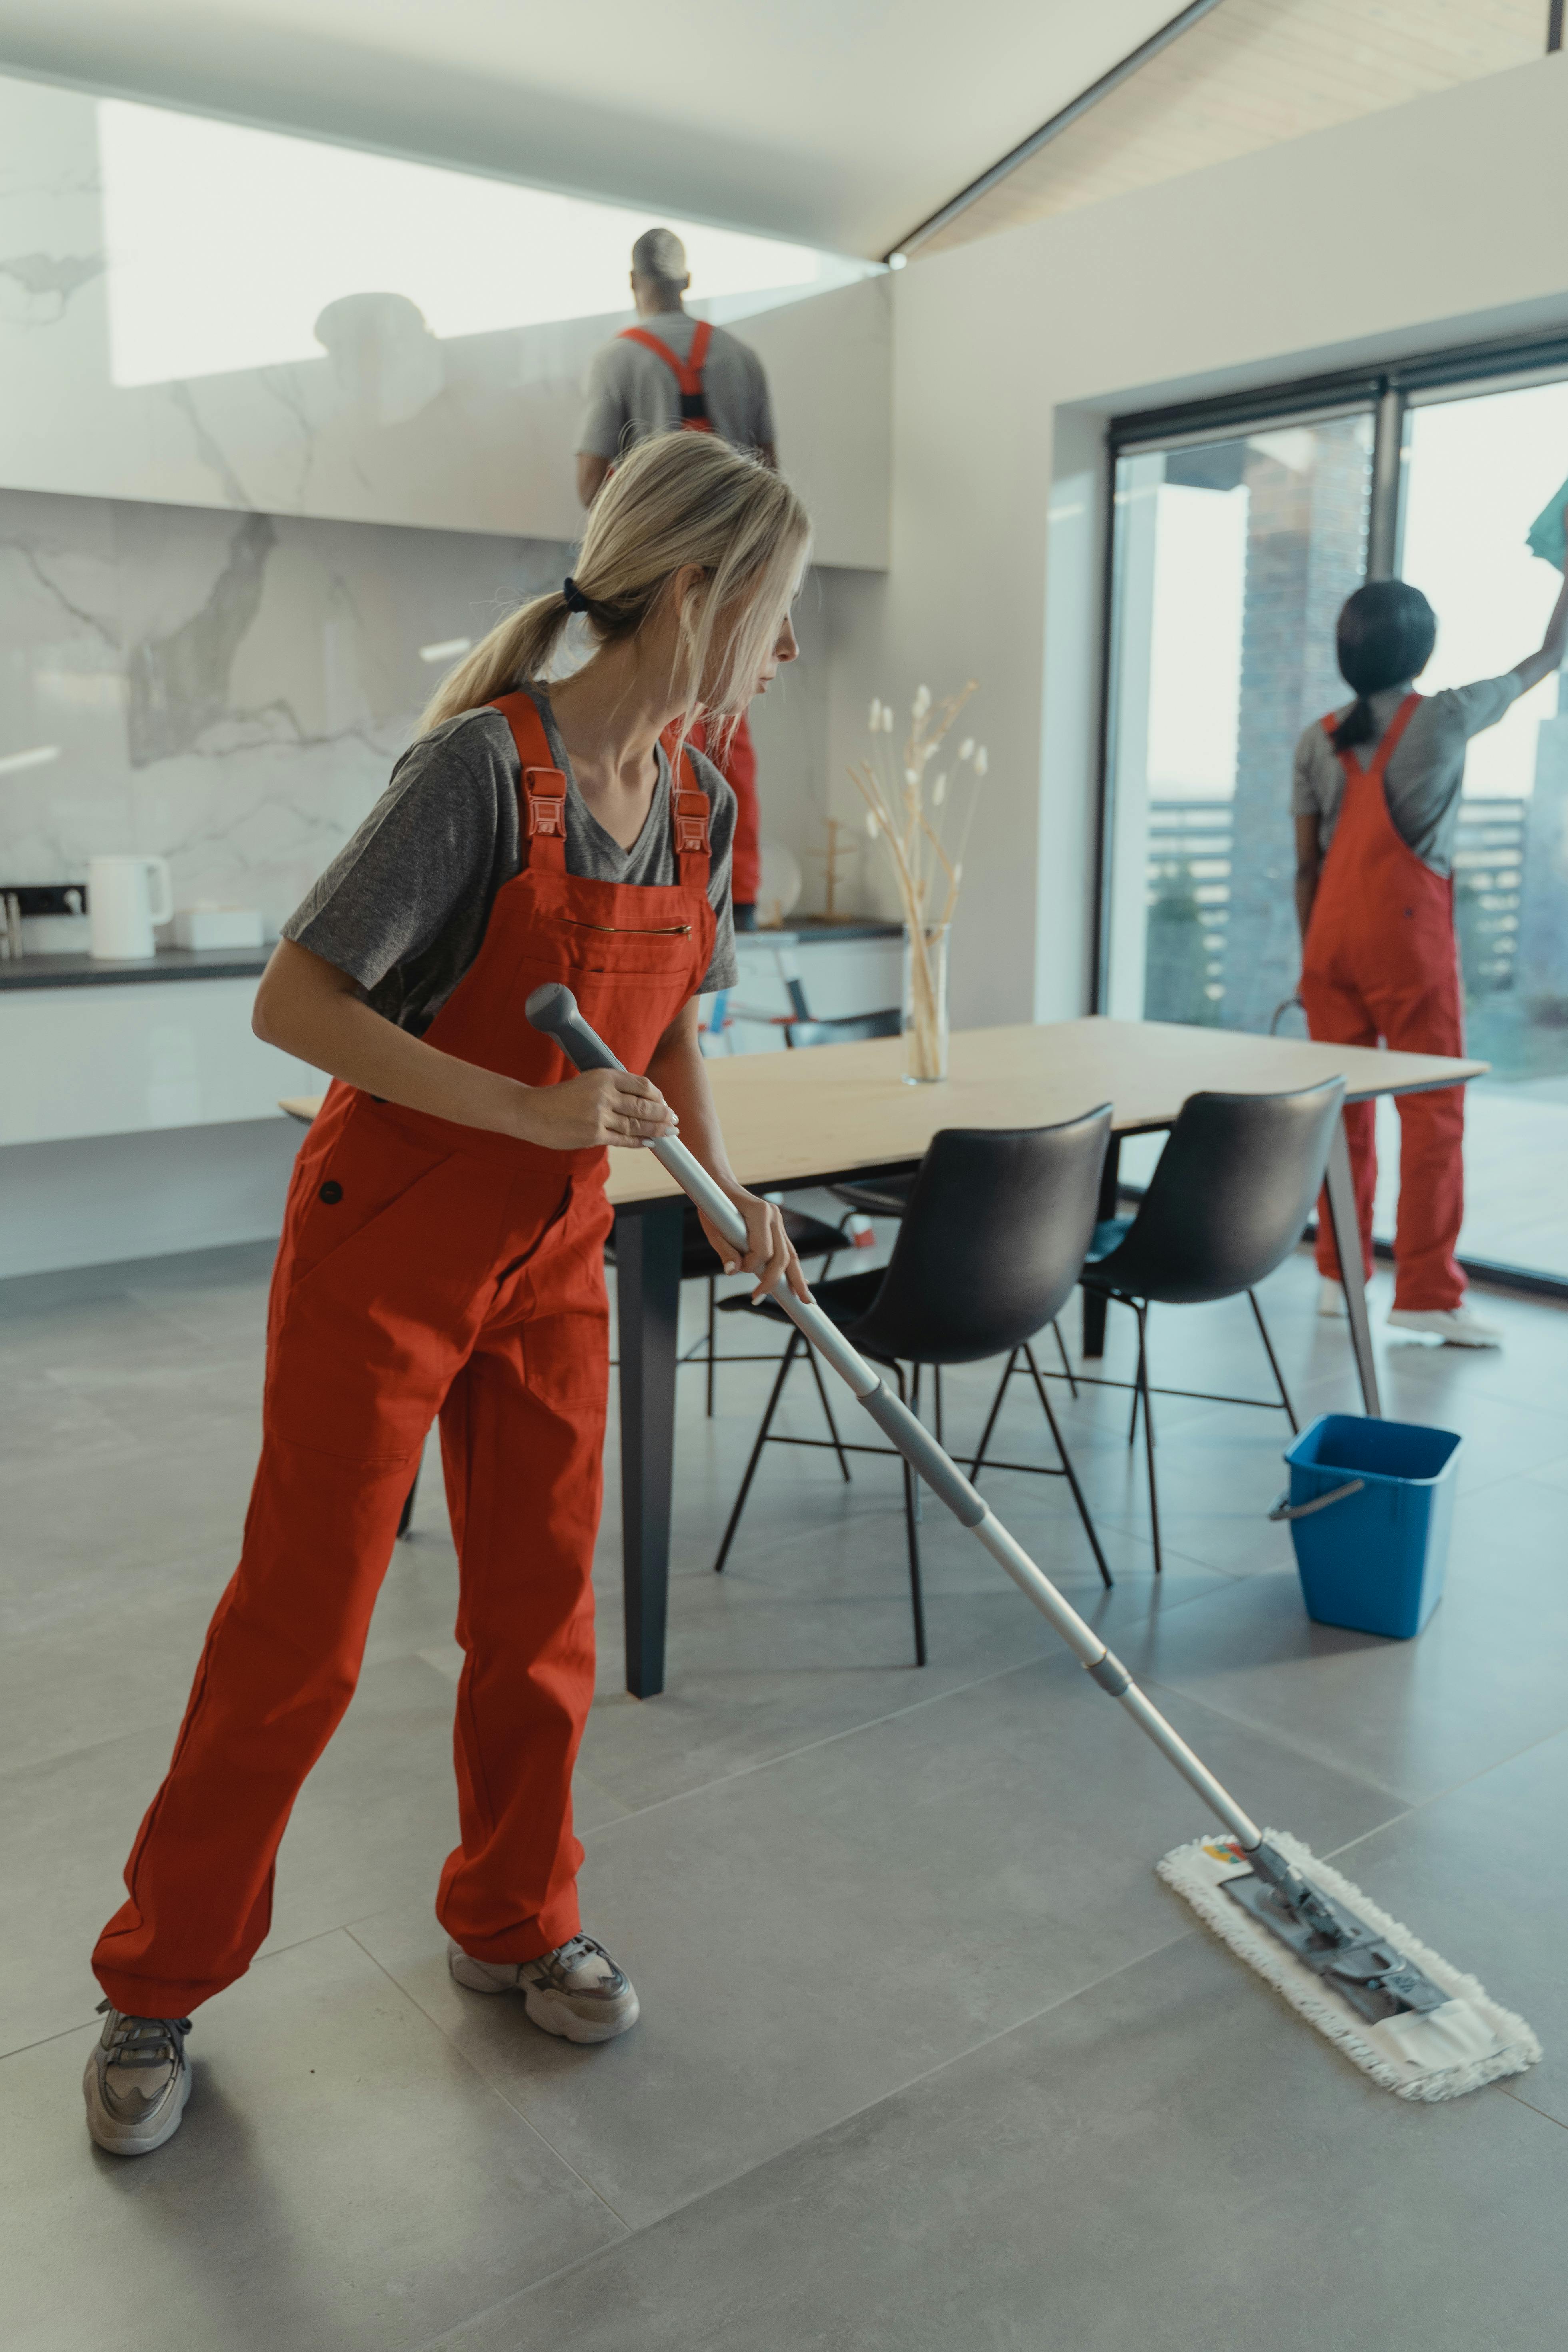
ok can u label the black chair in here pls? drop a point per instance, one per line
(812, 1238)
(1229, 1197)
(987, 1254)
(889, 1196)
(847, 1030)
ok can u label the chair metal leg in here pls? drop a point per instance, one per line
(936, 1387)
(1061, 1443)
(1143, 1313)
(991, 1417)
(713, 1336)
(827, 1408)
(786, 1360)
(405, 1523)
(912, 1530)
(1274, 1365)
(1066, 1359)
(915, 1408)
(1137, 1384)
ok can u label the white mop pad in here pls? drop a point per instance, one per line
(1439, 2056)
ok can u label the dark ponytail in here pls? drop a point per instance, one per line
(1386, 634)
(1357, 726)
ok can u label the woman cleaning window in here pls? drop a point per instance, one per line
(442, 1249)
(1376, 804)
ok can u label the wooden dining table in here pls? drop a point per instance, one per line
(841, 1111)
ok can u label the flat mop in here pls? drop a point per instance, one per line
(1415, 2026)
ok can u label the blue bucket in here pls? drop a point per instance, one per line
(1371, 1505)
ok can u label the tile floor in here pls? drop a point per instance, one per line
(928, 2057)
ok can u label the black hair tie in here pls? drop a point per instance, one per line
(573, 596)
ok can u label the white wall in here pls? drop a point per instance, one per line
(1439, 222)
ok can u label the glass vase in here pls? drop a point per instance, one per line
(925, 1004)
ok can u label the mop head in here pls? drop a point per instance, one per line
(1438, 2049)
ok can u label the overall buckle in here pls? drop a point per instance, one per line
(691, 825)
(547, 810)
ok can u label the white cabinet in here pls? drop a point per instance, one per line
(113, 1059)
(840, 977)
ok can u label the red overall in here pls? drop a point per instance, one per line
(1381, 962)
(738, 765)
(427, 1268)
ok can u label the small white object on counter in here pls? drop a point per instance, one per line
(123, 905)
(217, 927)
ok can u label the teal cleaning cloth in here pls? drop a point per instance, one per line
(1544, 536)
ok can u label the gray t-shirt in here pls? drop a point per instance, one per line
(632, 392)
(402, 907)
(1425, 772)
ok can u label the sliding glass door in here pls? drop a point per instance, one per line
(1478, 469)
(1232, 558)
(1233, 547)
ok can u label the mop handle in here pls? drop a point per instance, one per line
(552, 1009)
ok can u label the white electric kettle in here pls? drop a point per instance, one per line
(125, 896)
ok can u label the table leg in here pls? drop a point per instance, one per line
(647, 1294)
(1346, 1231)
(1095, 1301)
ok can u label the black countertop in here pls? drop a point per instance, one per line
(809, 931)
(169, 963)
(248, 963)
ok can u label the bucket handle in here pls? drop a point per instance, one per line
(1285, 1509)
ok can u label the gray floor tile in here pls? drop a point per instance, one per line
(1483, 1681)
(373, 1824)
(807, 1937)
(1172, 2159)
(343, 2182)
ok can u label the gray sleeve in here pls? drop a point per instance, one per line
(427, 860)
(724, 969)
(1477, 708)
(608, 412)
(1305, 798)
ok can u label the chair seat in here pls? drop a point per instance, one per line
(843, 1300)
(812, 1237)
(1108, 1235)
(878, 1196)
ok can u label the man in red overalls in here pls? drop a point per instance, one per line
(1377, 801)
(669, 373)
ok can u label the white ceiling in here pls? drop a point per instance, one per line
(840, 123)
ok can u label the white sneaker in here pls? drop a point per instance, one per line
(1457, 1326)
(137, 2082)
(1331, 1300)
(576, 1990)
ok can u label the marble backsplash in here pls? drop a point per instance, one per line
(227, 689)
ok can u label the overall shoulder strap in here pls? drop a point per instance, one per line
(687, 372)
(1388, 743)
(682, 369)
(1391, 735)
(689, 824)
(541, 802)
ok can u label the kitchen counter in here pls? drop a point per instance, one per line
(809, 931)
(169, 963)
(248, 963)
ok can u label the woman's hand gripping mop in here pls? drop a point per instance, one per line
(1404, 2016)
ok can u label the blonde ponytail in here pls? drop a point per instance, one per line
(678, 500)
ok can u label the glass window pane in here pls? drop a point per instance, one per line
(1232, 561)
(1480, 471)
